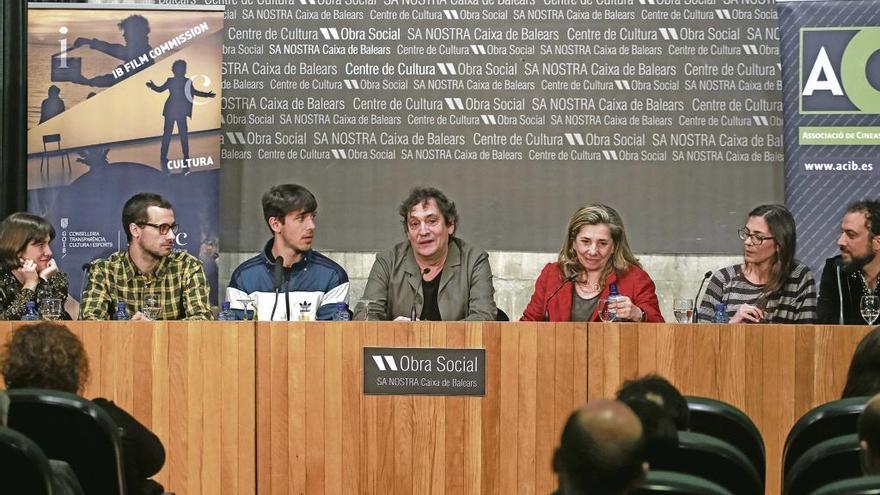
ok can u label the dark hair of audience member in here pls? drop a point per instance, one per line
(590, 467)
(863, 377)
(663, 393)
(869, 426)
(869, 437)
(45, 355)
(658, 430)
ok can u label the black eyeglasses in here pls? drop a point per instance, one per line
(163, 228)
(757, 239)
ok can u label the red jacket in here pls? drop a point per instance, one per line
(635, 284)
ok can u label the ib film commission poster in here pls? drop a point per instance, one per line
(122, 101)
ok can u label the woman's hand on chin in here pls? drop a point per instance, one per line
(27, 274)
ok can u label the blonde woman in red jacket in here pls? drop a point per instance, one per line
(595, 255)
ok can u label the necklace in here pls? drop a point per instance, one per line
(587, 286)
(866, 291)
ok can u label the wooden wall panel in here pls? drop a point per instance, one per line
(499, 444)
(192, 384)
(278, 409)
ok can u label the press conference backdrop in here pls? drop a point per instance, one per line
(520, 110)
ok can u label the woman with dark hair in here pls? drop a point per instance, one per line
(594, 255)
(49, 356)
(863, 377)
(27, 271)
(770, 286)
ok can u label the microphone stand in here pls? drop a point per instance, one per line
(565, 281)
(413, 315)
(697, 297)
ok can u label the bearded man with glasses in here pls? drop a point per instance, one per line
(770, 285)
(149, 265)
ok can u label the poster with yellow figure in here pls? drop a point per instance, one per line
(121, 101)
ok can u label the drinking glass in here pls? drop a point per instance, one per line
(606, 314)
(50, 309)
(151, 305)
(683, 309)
(248, 303)
(364, 306)
(870, 308)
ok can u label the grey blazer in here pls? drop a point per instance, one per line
(465, 292)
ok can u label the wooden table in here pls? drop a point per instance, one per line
(277, 408)
(191, 383)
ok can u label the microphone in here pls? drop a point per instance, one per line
(277, 282)
(86, 270)
(412, 313)
(566, 280)
(697, 297)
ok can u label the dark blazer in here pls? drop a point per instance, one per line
(839, 290)
(142, 450)
(465, 293)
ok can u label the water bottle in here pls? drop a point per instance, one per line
(121, 314)
(30, 312)
(613, 296)
(225, 313)
(720, 315)
(341, 312)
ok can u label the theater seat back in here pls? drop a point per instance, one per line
(72, 429)
(712, 459)
(23, 466)
(669, 483)
(834, 419)
(726, 422)
(829, 461)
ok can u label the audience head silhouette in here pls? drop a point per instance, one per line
(863, 378)
(869, 437)
(45, 355)
(659, 390)
(601, 450)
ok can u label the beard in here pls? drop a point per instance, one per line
(856, 263)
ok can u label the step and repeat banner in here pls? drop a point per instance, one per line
(831, 68)
(120, 101)
(520, 110)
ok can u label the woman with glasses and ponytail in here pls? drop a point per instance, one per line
(769, 286)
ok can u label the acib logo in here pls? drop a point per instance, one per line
(840, 70)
